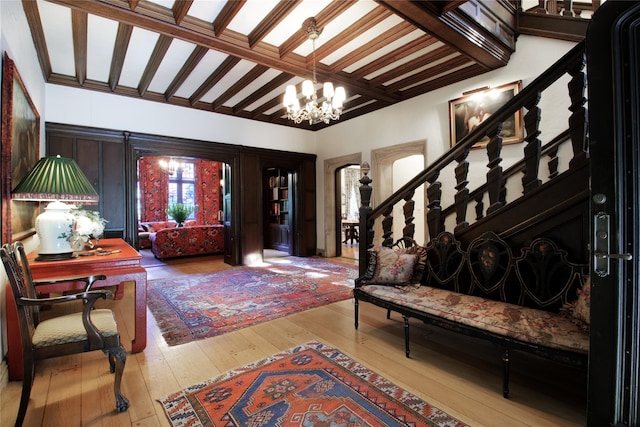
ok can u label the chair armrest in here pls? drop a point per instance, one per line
(88, 280)
(91, 297)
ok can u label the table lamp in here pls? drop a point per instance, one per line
(56, 180)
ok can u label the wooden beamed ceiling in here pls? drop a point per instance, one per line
(236, 57)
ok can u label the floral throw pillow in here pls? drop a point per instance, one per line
(392, 267)
(582, 307)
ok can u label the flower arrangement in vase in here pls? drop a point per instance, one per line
(88, 226)
(179, 212)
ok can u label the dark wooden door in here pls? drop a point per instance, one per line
(230, 253)
(613, 64)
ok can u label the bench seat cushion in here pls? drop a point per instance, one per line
(521, 323)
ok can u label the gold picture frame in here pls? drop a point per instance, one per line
(20, 152)
(467, 112)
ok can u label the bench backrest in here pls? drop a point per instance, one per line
(539, 276)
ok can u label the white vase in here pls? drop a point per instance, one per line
(54, 227)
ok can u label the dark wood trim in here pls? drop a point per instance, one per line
(247, 164)
(553, 26)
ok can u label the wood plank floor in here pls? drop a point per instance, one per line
(461, 376)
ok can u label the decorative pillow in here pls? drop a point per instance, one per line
(421, 261)
(190, 223)
(392, 267)
(582, 307)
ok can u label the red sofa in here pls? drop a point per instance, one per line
(145, 229)
(188, 240)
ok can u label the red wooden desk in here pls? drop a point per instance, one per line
(119, 267)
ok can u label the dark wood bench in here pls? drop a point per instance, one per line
(527, 302)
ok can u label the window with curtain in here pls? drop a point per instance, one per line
(181, 188)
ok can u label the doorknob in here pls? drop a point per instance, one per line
(601, 255)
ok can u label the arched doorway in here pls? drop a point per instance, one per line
(347, 211)
(330, 229)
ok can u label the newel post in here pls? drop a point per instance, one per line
(366, 232)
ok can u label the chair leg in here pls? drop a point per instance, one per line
(28, 372)
(117, 360)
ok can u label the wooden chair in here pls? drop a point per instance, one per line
(89, 330)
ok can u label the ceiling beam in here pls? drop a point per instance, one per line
(460, 31)
(119, 53)
(79, 31)
(37, 34)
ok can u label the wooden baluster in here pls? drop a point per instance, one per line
(387, 227)
(462, 195)
(434, 211)
(366, 228)
(495, 186)
(540, 9)
(530, 179)
(408, 208)
(479, 207)
(553, 163)
(578, 121)
(568, 8)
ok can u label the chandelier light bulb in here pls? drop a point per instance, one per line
(307, 88)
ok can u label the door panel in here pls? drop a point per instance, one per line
(613, 43)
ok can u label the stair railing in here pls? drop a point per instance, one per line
(493, 189)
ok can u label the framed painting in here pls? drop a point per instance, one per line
(20, 152)
(467, 112)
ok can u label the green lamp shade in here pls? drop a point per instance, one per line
(55, 178)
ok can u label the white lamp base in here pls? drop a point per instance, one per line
(54, 227)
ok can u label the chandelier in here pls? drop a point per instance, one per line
(331, 107)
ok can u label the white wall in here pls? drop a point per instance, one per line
(426, 117)
(16, 42)
(102, 110)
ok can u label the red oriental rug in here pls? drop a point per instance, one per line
(198, 306)
(310, 385)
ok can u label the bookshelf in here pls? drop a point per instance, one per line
(278, 214)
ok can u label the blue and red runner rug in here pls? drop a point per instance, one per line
(310, 385)
(199, 306)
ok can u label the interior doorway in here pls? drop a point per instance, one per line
(347, 215)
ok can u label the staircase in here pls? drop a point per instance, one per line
(542, 193)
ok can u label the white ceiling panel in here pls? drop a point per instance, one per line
(141, 45)
(206, 10)
(251, 14)
(57, 30)
(101, 39)
(265, 78)
(293, 21)
(240, 70)
(176, 56)
(207, 65)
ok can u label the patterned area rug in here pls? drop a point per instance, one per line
(310, 385)
(199, 306)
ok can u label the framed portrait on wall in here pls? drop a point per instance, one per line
(467, 112)
(20, 152)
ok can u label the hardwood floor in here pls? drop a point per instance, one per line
(461, 376)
